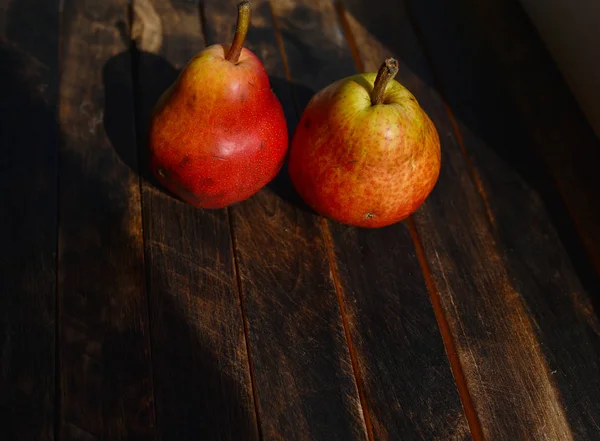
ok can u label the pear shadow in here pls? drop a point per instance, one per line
(120, 77)
(116, 76)
(53, 191)
(282, 184)
(194, 398)
(283, 187)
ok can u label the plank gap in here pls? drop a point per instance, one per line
(29, 68)
(134, 56)
(203, 385)
(352, 351)
(100, 214)
(58, 409)
(205, 36)
(236, 268)
(238, 279)
(341, 13)
(473, 172)
(463, 149)
(329, 249)
(537, 199)
(284, 59)
(459, 377)
(58, 402)
(457, 371)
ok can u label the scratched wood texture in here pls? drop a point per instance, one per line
(559, 135)
(105, 368)
(302, 368)
(28, 217)
(547, 269)
(538, 278)
(407, 387)
(201, 368)
(263, 321)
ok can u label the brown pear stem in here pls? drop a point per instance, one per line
(241, 29)
(387, 72)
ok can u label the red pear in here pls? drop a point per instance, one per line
(218, 134)
(364, 152)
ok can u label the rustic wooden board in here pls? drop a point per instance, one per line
(406, 383)
(558, 132)
(105, 368)
(544, 262)
(409, 388)
(4, 17)
(514, 275)
(303, 372)
(28, 217)
(202, 376)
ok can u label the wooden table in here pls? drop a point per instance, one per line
(128, 315)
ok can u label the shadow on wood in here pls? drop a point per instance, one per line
(29, 136)
(196, 397)
(29, 139)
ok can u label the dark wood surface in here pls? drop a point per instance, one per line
(521, 258)
(390, 321)
(302, 369)
(127, 314)
(104, 346)
(201, 366)
(29, 137)
(544, 269)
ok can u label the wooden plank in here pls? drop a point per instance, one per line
(409, 388)
(28, 217)
(509, 341)
(544, 261)
(4, 8)
(558, 130)
(302, 368)
(105, 368)
(404, 376)
(202, 377)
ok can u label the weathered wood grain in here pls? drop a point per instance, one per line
(201, 369)
(504, 140)
(406, 383)
(28, 217)
(302, 368)
(508, 339)
(4, 9)
(409, 388)
(105, 368)
(558, 131)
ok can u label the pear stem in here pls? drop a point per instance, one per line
(241, 29)
(387, 72)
